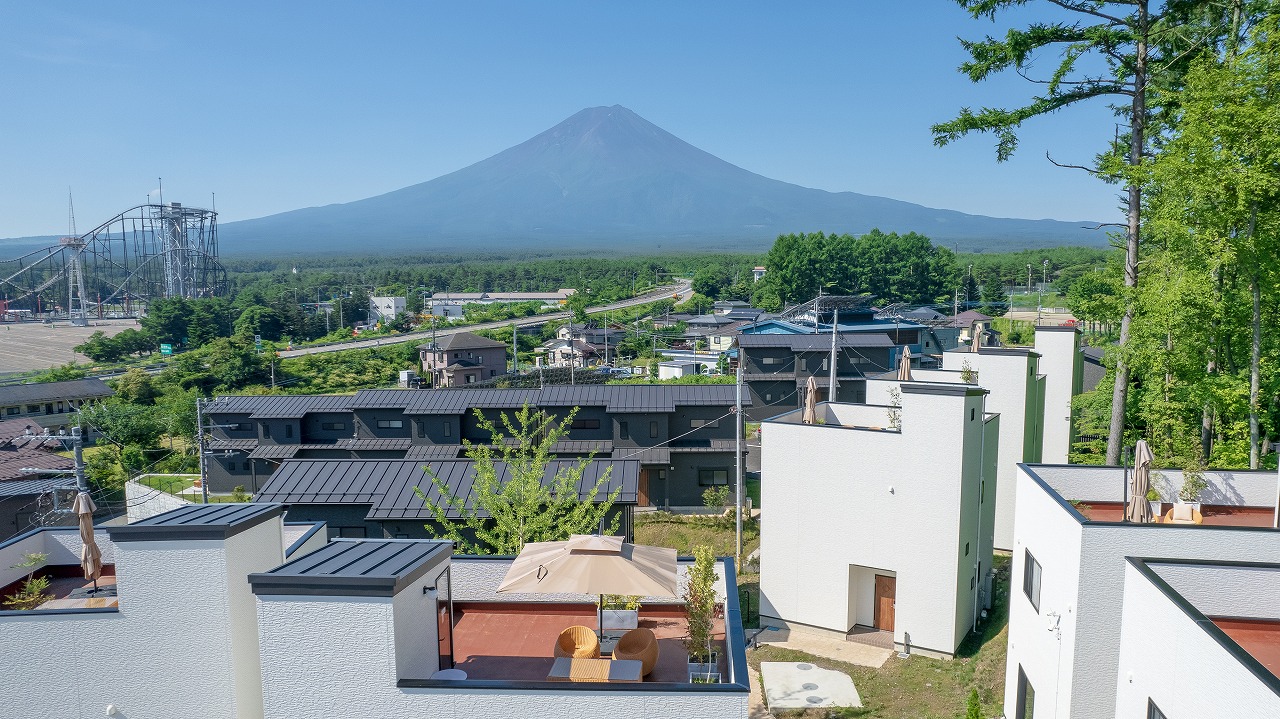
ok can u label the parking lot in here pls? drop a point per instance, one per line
(26, 346)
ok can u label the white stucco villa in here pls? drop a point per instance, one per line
(1072, 577)
(1199, 639)
(224, 611)
(880, 518)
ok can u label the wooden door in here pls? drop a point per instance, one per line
(642, 488)
(886, 594)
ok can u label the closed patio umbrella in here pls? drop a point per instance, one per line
(90, 554)
(976, 341)
(904, 365)
(810, 401)
(592, 564)
(1138, 510)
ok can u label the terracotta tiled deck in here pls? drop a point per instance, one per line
(1214, 515)
(514, 641)
(1259, 637)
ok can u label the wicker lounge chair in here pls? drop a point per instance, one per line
(638, 644)
(578, 642)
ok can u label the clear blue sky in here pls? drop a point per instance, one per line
(276, 106)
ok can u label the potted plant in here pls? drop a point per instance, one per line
(700, 608)
(1153, 499)
(1193, 485)
(34, 590)
(619, 611)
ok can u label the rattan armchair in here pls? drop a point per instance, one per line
(578, 642)
(638, 644)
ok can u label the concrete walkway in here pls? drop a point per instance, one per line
(862, 655)
(801, 685)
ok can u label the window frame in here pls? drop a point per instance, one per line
(585, 423)
(333, 426)
(1032, 578)
(710, 481)
(390, 424)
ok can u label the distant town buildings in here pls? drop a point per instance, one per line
(51, 405)
(385, 309)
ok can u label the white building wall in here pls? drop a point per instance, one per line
(1166, 657)
(844, 502)
(1044, 653)
(62, 545)
(1091, 559)
(142, 501)
(342, 656)
(1062, 364)
(256, 549)
(1012, 381)
(383, 309)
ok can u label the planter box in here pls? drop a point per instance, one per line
(619, 618)
(1155, 508)
(704, 678)
(704, 669)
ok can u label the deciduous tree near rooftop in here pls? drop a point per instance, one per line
(1122, 49)
(506, 513)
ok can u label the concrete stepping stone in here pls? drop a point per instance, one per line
(800, 685)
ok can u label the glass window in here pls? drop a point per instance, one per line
(288, 431)
(266, 429)
(1031, 579)
(623, 431)
(653, 430)
(448, 428)
(712, 476)
(585, 424)
(390, 423)
(695, 423)
(1153, 711)
(1025, 707)
(333, 426)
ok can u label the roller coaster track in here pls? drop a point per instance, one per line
(146, 252)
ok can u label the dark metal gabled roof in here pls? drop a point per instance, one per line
(15, 394)
(434, 451)
(279, 406)
(460, 401)
(388, 484)
(345, 567)
(383, 398)
(197, 522)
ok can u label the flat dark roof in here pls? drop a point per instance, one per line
(279, 406)
(53, 391)
(197, 522)
(815, 342)
(355, 567)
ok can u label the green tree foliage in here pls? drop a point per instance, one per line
(348, 370)
(973, 706)
(136, 386)
(264, 322)
(124, 423)
(893, 267)
(226, 364)
(698, 304)
(1211, 263)
(210, 319)
(167, 320)
(506, 512)
(102, 469)
(1121, 49)
(710, 281)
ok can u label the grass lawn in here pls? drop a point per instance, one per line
(167, 483)
(919, 687)
(683, 533)
(752, 487)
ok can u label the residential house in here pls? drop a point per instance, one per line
(674, 369)
(378, 497)
(279, 623)
(1199, 639)
(51, 405)
(31, 491)
(462, 358)
(1031, 390)
(576, 353)
(871, 536)
(682, 435)
(776, 367)
(757, 273)
(1069, 584)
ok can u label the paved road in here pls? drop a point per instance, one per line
(682, 288)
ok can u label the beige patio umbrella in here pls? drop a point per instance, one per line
(90, 554)
(1137, 510)
(904, 365)
(810, 401)
(592, 564)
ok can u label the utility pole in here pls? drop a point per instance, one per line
(204, 480)
(515, 349)
(273, 374)
(77, 449)
(831, 387)
(737, 454)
